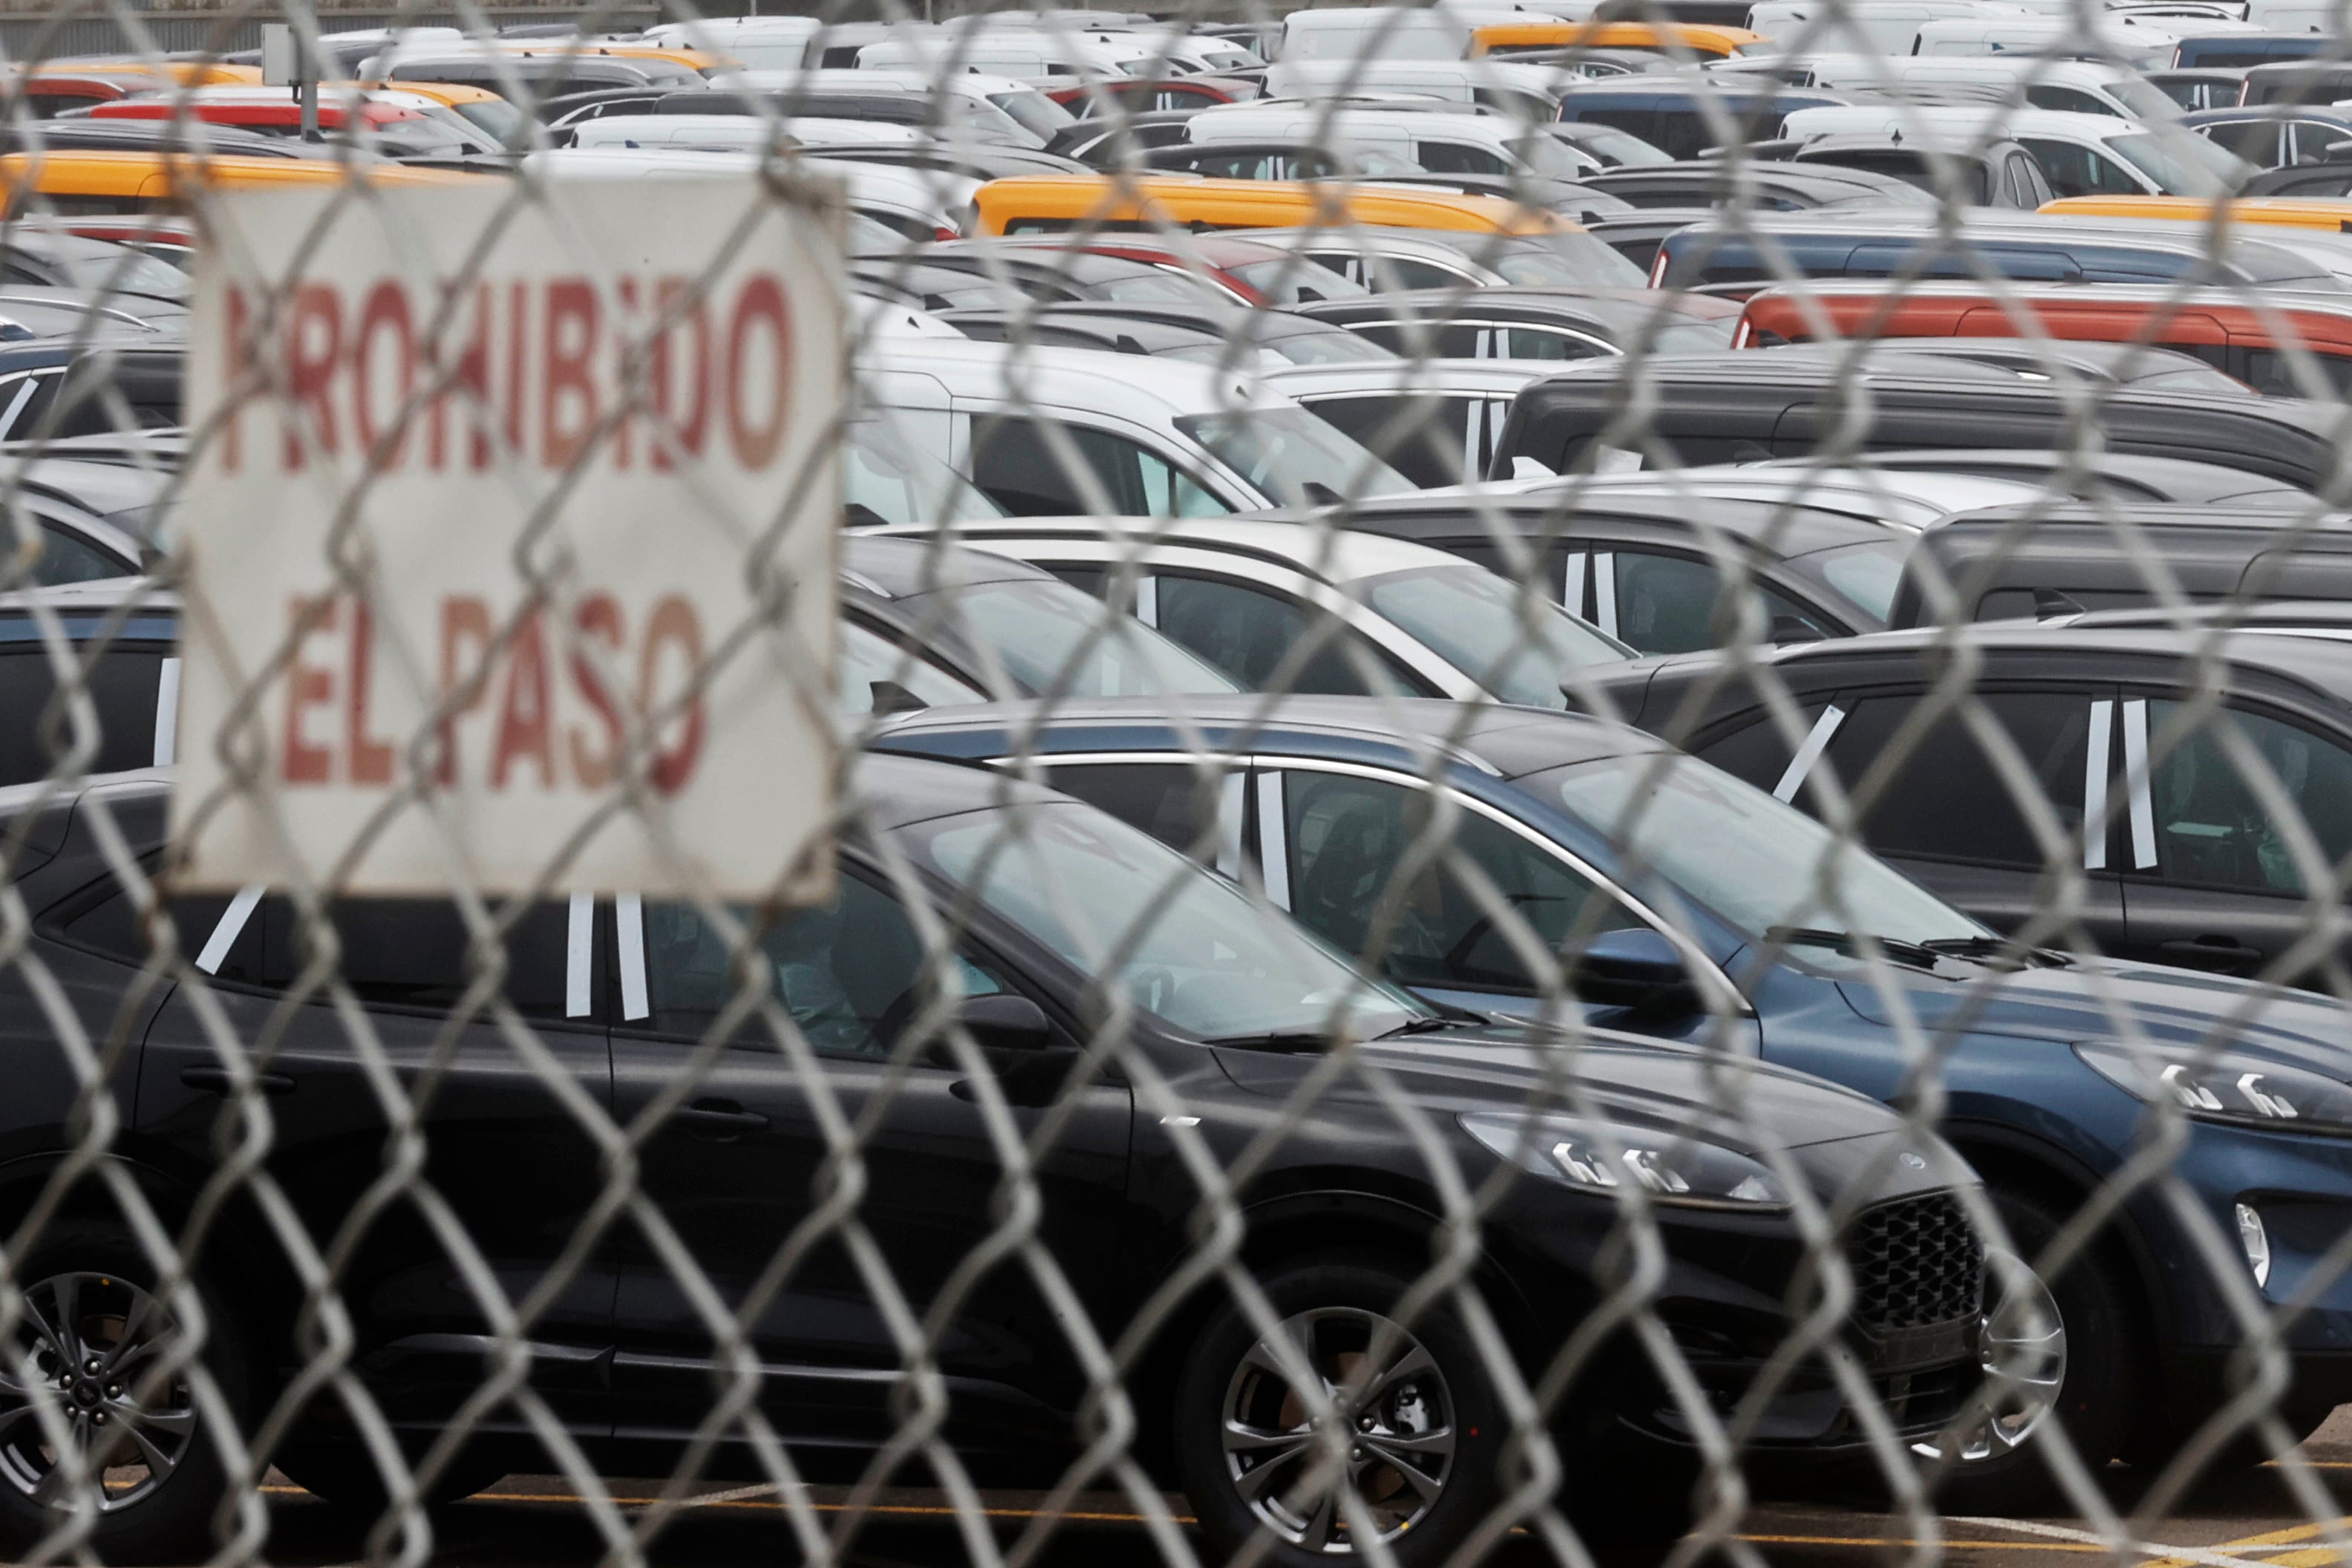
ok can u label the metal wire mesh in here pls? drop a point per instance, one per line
(1453, 774)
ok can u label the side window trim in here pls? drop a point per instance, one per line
(167, 713)
(2143, 806)
(629, 924)
(2094, 784)
(227, 929)
(579, 938)
(1817, 740)
(1604, 591)
(1274, 838)
(25, 386)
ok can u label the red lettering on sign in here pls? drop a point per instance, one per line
(759, 312)
(526, 726)
(239, 360)
(371, 758)
(674, 621)
(465, 640)
(314, 346)
(308, 686)
(386, 310)
(684, 433)
(568, 383)
(599, 618)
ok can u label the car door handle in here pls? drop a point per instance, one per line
(718, 1120)
(217, 1081)
(2211, 952)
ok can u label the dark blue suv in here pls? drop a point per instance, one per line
(1676, 900)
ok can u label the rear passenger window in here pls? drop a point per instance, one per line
(122, 683)
(1015, 466)
(1252, 636)
(1169, 801)
(1949, 802)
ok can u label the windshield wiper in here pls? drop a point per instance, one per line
(1423, 1026)
(1919, 955)
(1275, 1040)
(1995, 947)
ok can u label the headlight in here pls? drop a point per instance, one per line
(2232, 1087)
(1672, 1170)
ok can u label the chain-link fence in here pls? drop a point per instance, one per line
(1477, 782)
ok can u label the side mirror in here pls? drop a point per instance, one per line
(1635, 968)
(1005, 1023)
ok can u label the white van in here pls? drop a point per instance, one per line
(918, 203)
(1187, 441)
(2081, 154)
(995, 107)
(1440, 143)
(1525, 93)
(1887, 26)
(2145, 43)
(1032, 58)
(741, 132)
(2072, 87)
(759, 43)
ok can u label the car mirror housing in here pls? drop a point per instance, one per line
(1636, 967)
(1005, 1022)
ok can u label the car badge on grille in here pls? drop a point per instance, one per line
(1913, 1162)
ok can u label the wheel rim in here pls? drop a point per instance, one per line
(2022, 1346)
(1384, 1390)
(93, 1341)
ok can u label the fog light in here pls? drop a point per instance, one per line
(2257, 1243)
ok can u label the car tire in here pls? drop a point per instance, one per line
(2104, 1355)
(341, 1471)
(90, 1319)
(1242, 1442)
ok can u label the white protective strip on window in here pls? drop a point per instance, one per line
(1604, 591)
(1147, 600)
(25, 390)
(578, 950)
(1816, 741)
(1572, 582)
(629, 915)
(167, 714)
(1229, 824)
(230, 926)
(2143, 810)
(2094, 786)
(1272, 840)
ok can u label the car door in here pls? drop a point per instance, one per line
(743, 1162)
(1482, 927)
(2212, 881)
(506, 1145)
(1664, 601)
(1955, 808)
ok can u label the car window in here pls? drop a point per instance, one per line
(1252, 635)
(2075, 170)
(1948, 800)
(2210, 825)
(1347, 836)
(122, 685)
(1427, 439)
(849, 972)
(1014, 465)
(2073, 101)
(2270, 373)
(1460, 158)
(1669, 604)
(1167, 800)
(875, 672)
(68, 557)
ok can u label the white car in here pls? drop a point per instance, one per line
(1434, 421)
(911, 204)
(741, 132)
(2076, 87)
(760, 43)
(1526, 93)
(1441, 143)
(996, 107)
(1030, 56)
(1051, 431)
(2081, 154)
(1303, 607)
(2146, 43)
(1890, 25)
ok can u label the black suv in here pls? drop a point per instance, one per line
(735, 1116)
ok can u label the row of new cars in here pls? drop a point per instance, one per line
(1720, 627)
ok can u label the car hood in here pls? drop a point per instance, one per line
(2107, 999)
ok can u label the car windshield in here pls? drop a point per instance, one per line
(1295, 280)
(884, 479)
(1755, 862)
(1703, 336)
(506, 124)
(1620, 149)
(1547, 155)
(874, 672)
(1864, 574)
(1190, 949)
(2143, 99)
(471, 135)
(1036, 113)
(1473, 619)
(1292, 457)
(1573, 260)
(1336, 347)
(2182, 165)
(1049, 635)
(127, 271)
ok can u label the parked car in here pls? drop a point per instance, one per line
(2276, 136)
(1522, 323)
(1969, 171)
(1604, 842)
(1668, 114)
(2134, 476)
(1433, 420)
(2190, 866)
(1755, 185)
(1283, 606)
(1767, 404)
(1381, 258)
(1034, 885)
(1243, 339)
(2204, 87)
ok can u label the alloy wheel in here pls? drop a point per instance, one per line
(2021, 1347)
(92, 1341)
(1385, 1393)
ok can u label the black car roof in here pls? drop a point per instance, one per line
(2180, 480)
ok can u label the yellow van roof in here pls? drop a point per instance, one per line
(2294, 211)
(1191, 201)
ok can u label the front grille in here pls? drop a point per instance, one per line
(1915, 1262)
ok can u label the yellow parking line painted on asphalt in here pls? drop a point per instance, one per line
(1888, 1540)
(918, 1510)
(2319, 1558)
